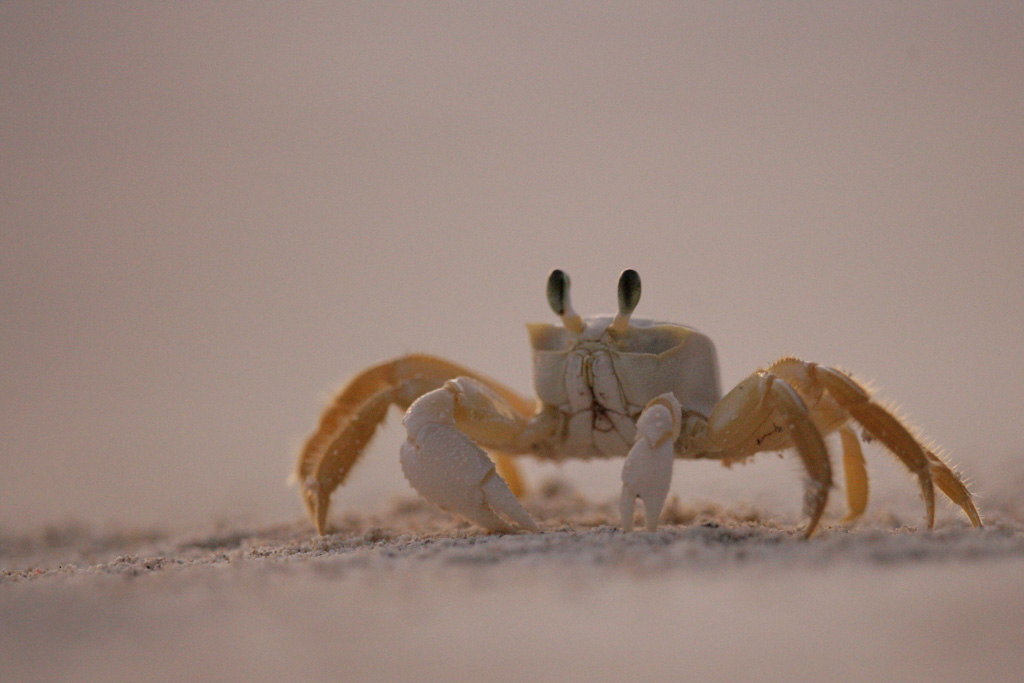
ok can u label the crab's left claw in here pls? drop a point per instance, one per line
(447, 468)
(647, 472)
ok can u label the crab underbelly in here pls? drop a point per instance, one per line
(596, 433)
(597, 420)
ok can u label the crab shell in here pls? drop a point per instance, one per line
(598, 381)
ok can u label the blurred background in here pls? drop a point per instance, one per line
(214, 213)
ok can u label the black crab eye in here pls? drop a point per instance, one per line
(629, 291)
(558, 291)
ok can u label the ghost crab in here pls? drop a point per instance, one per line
(609, 386)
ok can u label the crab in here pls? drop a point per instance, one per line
(610, 386)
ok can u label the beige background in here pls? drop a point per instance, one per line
(212, 214)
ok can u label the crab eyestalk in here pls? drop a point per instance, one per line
(629, 297)
(558, 298)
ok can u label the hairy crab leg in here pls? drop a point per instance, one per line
(811, 449)
(953, 486)
(884, 426)
(349, 422)
(751, 409)
(855, 474)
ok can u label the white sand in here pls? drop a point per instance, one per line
(715, 595)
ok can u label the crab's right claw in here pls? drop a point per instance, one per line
(451, 471)
(647, 472)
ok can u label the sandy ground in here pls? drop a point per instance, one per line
(717, 594)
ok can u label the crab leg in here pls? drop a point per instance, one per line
(856, 475)
(810, 447)
(883, 425)
(447, 468)
(749, 416)
(835, 397)
(647, 472)
(949, 482)
(350, 421)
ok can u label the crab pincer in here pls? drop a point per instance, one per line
(447, 468)
(647, 472)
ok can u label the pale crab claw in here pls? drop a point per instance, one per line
(647, 472)
(449, 470)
